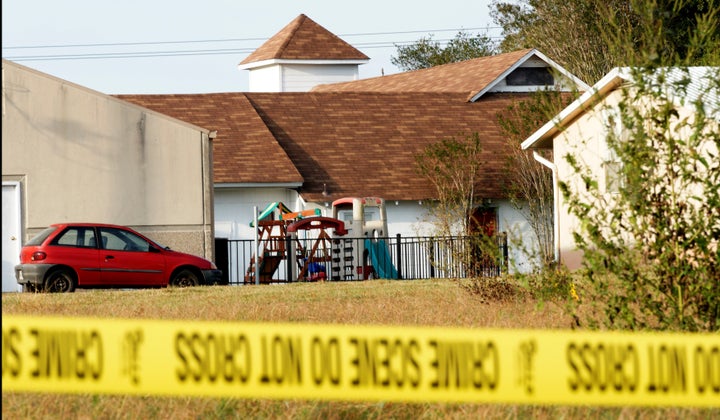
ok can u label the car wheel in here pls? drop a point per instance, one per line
(60, 281)
(184, 278)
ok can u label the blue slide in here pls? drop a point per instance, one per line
(381, 261)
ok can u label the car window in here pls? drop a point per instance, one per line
(121, 240)
(40, 237)
(83, 237)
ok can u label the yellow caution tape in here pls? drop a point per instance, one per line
(351, 362)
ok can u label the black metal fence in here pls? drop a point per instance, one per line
(347, 259)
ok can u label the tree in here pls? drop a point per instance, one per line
(652, 247)
(426, 53)
(453, 167)
(660, 33)
(530, 188)
(582, 35)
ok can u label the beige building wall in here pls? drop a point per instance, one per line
(83, 156)
(585, 139)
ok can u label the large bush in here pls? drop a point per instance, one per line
(651, 231)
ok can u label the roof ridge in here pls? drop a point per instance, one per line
(294, 30)
(303, 39)
(398, 80)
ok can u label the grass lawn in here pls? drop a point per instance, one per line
(376, 302)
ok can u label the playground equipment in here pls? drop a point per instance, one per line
(348, 246)
(277, 233)
(272, 231)
(364, 217)
(318, 258)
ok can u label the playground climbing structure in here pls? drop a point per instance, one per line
(364, 217)
(271, 233)
(317, 259)
(348, 246)
(278, 240)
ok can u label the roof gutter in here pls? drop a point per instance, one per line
(556, 203)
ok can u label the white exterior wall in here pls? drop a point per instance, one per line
(299, 77)
(11, 234)
(265, 79)
(234, 209)
(522, 243)
(585, 139)
(304, 77)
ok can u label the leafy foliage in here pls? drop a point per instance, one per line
(453, 166)
(426, 53)
(648, 219)
(590, 37)
(652, 248)
(530, 185)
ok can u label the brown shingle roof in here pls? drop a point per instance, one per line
(358, 143)
(364, 144)
(244, 151)
(303, 39)
(470, 77)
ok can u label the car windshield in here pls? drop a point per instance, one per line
(40, 237)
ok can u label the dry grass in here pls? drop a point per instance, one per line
(421, 302)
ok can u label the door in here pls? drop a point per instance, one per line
(127, 259)
(484, 252)
(483, 220)
(11, 235)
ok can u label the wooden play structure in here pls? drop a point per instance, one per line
(317, 261)
(348, 246)
(277, 230)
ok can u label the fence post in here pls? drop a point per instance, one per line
(505, 252)
(432, 257)
(398, 252)
(288, 259)
(256, 266)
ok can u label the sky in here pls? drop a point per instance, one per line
(186, 46)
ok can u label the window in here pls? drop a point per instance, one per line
(40, 237)
(371, 213)
(345, 215)
(614, 180)
(612, 164)
(76, 236)
(530, 76)
(122, 240)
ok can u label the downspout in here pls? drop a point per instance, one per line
(556, 203)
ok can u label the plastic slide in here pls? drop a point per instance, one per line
(381, 261)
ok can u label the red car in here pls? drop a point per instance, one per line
(66, 256)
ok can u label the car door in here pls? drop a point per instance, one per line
(127, 259)
(76, 246)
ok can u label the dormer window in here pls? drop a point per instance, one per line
(530, 76)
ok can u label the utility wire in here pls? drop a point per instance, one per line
(118, 44)
(218, 51)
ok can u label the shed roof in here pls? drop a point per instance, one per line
(701, 85)
(303, 39)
